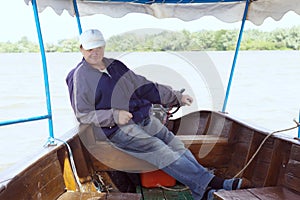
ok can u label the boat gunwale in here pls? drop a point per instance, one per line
(16, 170)
(22, 165)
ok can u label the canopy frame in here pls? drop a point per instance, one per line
(235, 56)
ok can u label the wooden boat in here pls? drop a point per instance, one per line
(77, 166)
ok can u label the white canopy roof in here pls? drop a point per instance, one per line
(259, 10)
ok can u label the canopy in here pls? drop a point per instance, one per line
(187, 10)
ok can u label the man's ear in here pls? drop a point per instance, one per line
(81, 48)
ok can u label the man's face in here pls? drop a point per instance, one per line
(93, 56)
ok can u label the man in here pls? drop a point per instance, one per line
(117, 102)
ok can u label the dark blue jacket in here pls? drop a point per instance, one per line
(95, 95)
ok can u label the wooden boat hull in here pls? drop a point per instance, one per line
(218, 141)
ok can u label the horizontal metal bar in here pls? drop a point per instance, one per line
(4, 123)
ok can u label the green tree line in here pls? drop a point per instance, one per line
(220, 40)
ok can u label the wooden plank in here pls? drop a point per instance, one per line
(177, 192)
(265, 193)
(202, 139)
(201, 146)
(99, 196)
(293, 168)
(186, 195)
(218, 125)
(79, 159)
(43, 178)
(211, 155)
(50, 190)
(264, 155)
(46, 183)
(292, 181)
(238, 160)
(224, 127)
(68, 174)
(295, 152)
(187, 125)
(242, 134)
(153, 193)
(271, 193)
(279, 159)
(235, 195)
(193, 124)
(292, 173)
(207, 149)
(204, 123)
(112, 158)
(259, 174)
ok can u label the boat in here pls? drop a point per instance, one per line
(77, 165)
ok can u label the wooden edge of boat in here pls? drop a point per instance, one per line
(218, 141)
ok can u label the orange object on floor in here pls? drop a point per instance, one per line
(157, 178)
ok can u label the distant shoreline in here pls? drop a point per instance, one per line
(204, 40)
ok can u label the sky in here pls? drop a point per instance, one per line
(17, 20)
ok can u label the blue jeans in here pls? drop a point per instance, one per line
(153, 142)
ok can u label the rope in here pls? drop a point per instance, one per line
(72, 164)
(71, 160)
(172, 189)
(262, 143)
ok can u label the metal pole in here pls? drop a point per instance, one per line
(235, 55)
(299, 126)
(9, 122)
(46, 81)
(77, 16)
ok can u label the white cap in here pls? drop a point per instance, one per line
(91, 39)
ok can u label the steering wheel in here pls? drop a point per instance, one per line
(163, 113)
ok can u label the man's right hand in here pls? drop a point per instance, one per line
(123, 117)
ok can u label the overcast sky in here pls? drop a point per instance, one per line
(17, 20)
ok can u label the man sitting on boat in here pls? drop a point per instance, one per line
(118, 102)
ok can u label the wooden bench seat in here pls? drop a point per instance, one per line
(207, 149)
(113, 158)
(265, 193)
(200, 145)
(202, 139)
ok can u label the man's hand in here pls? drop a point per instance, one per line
(186, 100)
(123, 117)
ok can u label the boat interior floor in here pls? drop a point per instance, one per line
(177, 192)
(98, 196)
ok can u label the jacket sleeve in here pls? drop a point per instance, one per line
(82, 97)
(154, 92)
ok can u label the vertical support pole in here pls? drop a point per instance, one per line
(235, 55)
(46, 82)
(299, 126)
(77, 16)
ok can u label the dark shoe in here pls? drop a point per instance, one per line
(236, 183)
(245, 184)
